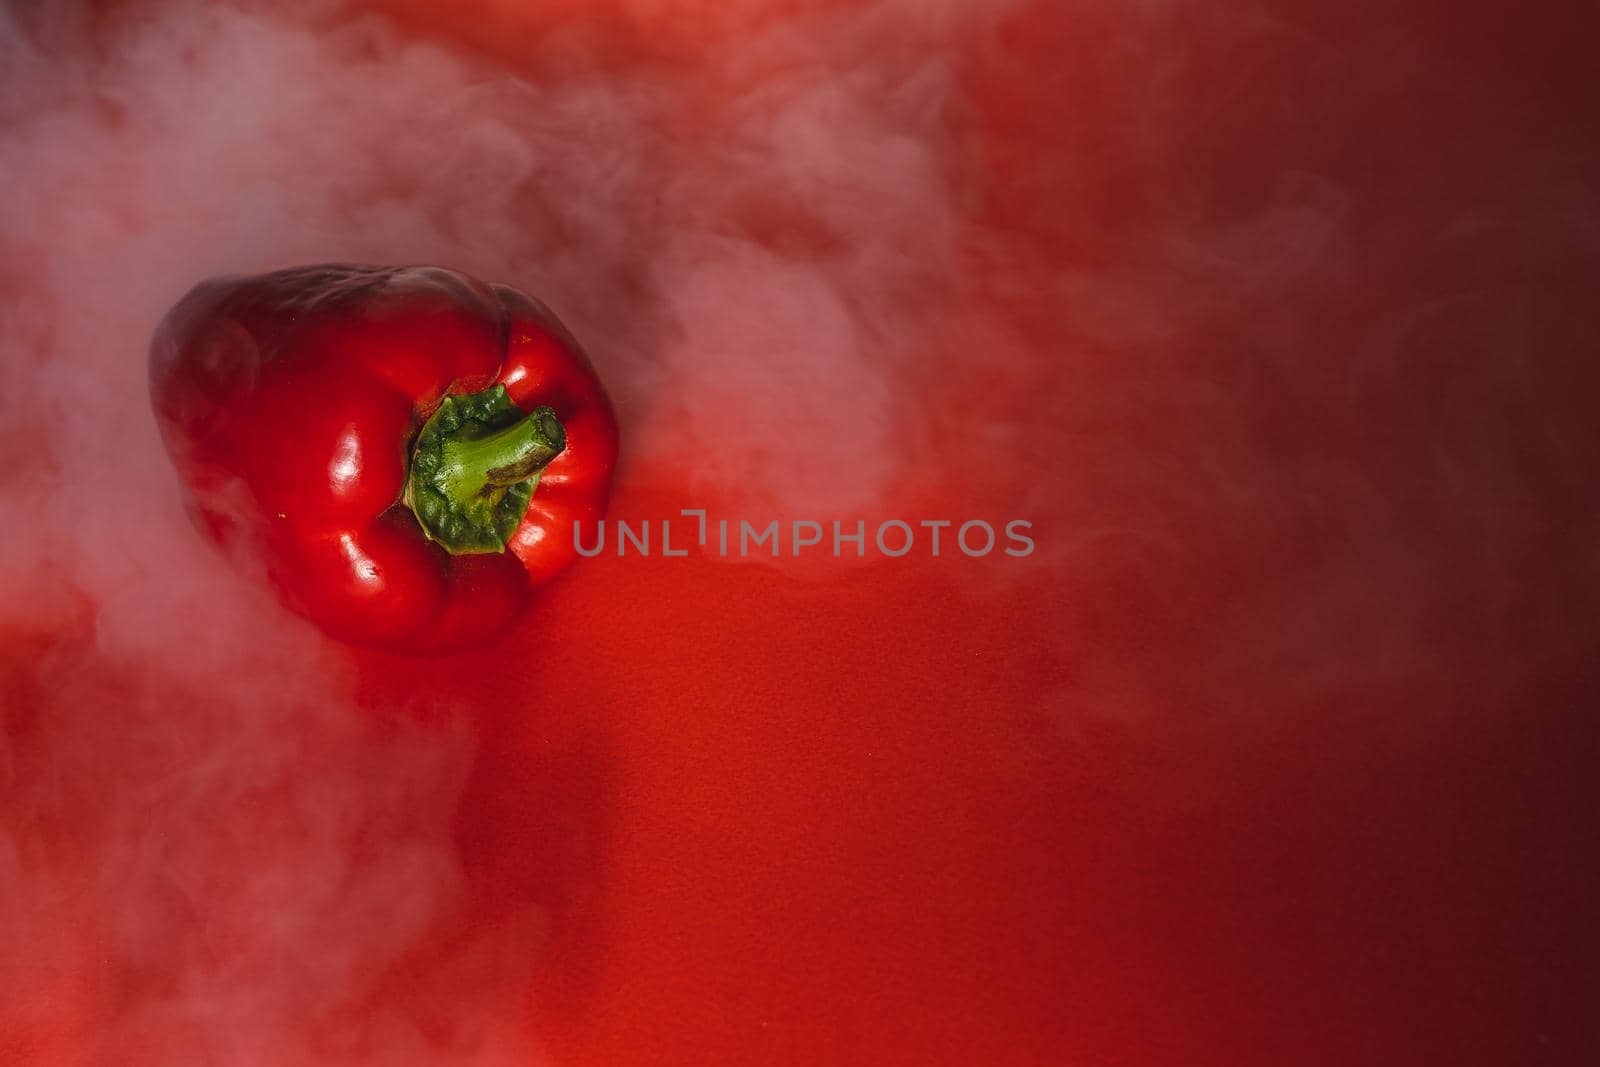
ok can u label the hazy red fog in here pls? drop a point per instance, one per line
(1277, 321)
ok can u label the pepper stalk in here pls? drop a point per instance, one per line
(474, 467)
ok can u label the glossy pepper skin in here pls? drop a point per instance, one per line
(306, 413)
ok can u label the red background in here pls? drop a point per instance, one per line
(1277, 321)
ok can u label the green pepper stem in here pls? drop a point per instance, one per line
(505, 457)
(475, 465)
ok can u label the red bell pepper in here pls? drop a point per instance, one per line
(407, 447)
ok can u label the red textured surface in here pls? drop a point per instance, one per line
(1280, 752)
